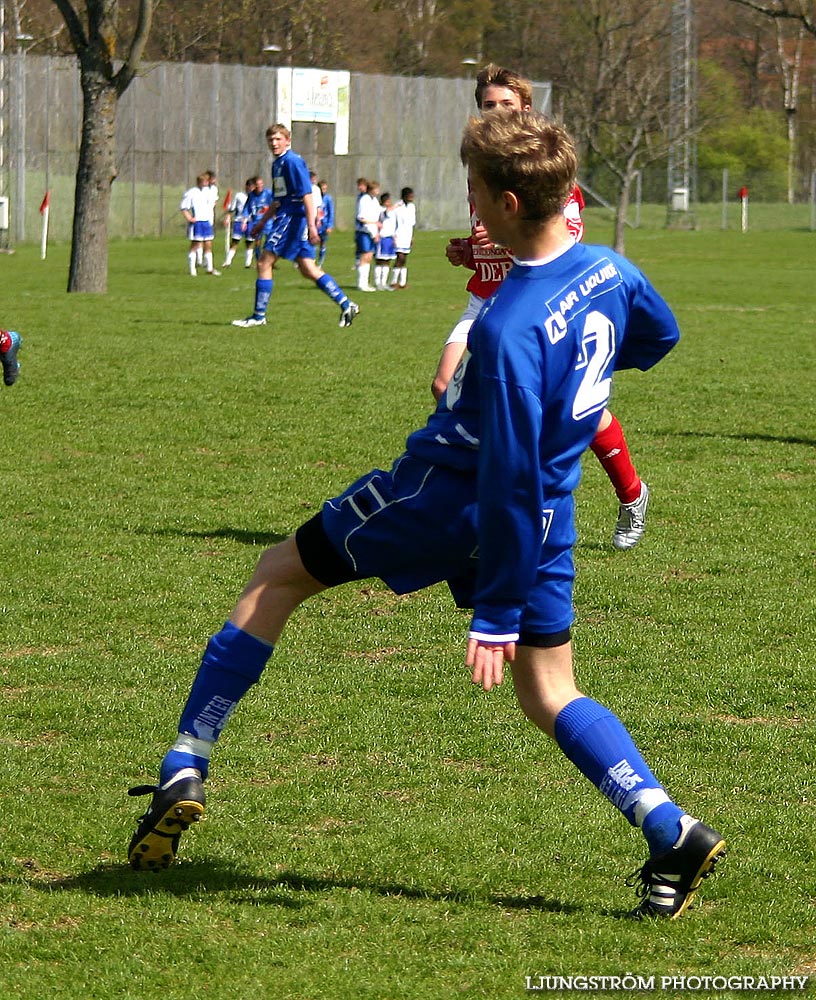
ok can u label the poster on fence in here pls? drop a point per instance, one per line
(315, 95)
(283, 96)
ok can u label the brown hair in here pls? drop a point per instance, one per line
(278, 128)
(526, 153)
(497, 76)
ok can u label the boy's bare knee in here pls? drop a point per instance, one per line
(544, 683)
(281, 565)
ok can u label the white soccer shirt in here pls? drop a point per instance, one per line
(405, 216)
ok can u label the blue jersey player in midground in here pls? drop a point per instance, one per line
(482, 498)
(293, 231)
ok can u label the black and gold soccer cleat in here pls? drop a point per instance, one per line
(668, 883)
(175, 805)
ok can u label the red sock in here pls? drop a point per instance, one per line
(610, 447)
(5, 341)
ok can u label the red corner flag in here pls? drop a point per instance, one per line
(227, 199)
(45, 209)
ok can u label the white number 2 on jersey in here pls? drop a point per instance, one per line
(597, 352)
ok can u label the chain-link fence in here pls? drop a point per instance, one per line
(179, 119)
(715, 199)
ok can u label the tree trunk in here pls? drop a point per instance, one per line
(621, 212)
(96, 171)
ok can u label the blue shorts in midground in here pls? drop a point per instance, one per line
(416, 525)
(202, 231)
(385, 248)
(364, 242)
(288, 237)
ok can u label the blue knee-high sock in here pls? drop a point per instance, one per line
(233, 661)
(263, 293)
(327, 284)
(599, 745)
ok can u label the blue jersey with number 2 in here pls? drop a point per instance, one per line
(527, 397)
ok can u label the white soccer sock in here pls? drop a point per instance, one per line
(192, 745)
(208, 264)
(363, 274)
(191, 257)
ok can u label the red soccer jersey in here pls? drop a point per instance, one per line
(491, 263)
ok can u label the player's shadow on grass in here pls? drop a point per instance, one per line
(192, 879)
(768, 438)
(242, 535)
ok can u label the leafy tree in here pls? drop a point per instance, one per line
(526, 35)
(614, 73)
(93, 37)
(793, 21)
(747, 143)
(752, 150)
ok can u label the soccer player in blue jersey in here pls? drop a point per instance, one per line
(326, 225)
(483, 499)
(499, 88)
(258, 201)
(235, 220)
(293, 232)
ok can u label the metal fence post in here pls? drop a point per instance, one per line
(813, 201)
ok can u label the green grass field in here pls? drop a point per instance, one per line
(377, 828)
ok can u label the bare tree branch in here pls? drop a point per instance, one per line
(791, 10)
(76, 31)
(136, 48)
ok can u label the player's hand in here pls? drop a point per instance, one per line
(314, 239)
(459, 252)
(487, 661)
(454, 252)
(480, 236)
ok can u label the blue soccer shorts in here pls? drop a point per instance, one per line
(416, 525)
(288, 237)
(202, 231)
(385, 248)
(364, 242)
